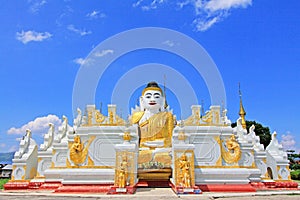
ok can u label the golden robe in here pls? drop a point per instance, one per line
(158, 127)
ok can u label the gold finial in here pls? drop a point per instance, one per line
(127, 136)
(166, 104)
(222, 106)
(181, 135)
(242, 112)
(202, 109)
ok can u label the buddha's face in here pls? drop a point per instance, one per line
(152, 100)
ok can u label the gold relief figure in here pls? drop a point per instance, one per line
(111, 117)
(208, 117)
(193, 120)
(99, 117)
(217, 114)
(123, 174)
(78, 153)
(120, 121)
(90, 115)
(233, 154)
(184, 166)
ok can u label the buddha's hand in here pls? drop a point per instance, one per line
(155, 143)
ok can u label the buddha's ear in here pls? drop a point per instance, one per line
(163, 103)
(142, 103)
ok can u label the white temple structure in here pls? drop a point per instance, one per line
(105, 153)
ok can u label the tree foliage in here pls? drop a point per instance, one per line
(260, 130)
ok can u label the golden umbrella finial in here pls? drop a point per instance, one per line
(242, 112)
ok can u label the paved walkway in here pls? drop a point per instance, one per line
(151, 193)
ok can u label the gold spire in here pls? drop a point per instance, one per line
(242, 112)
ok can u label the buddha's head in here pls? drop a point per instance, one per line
(152, 97)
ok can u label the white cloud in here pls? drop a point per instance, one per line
(169, 43)
(215, 5)
(2, 145)
(206, 12)
(83, 32)
(288, 142)
(95, 14)
(79, 61)
(203, 25)
(88, 61)
(83, 61)
(104, 52)
(148, 5)
(40, 125)
(29, 36)
(36, 5)
(210, 12)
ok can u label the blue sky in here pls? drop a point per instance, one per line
(44, 43)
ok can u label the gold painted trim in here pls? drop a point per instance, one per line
(214, 166)
(20, 181)
(39, 177)
(85, 167)
(218, 140)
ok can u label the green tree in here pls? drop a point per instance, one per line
(260, 130)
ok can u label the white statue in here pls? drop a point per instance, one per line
(241, 132)
(255, 139)
(78, 119)
(24, 144)
(48, 138)
(274, 144)
(63, 129)
(155, 126)
(224, 118)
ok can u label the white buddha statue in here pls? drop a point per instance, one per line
(155, 128)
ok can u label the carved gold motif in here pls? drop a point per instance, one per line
(79, 152)
(90, 116)
(233, 154)
(127, 136)
(120, 121)
(181, 135)
(102, 120)
(111, 117)
(218, 140)
(99, 117)
(211, 118)
(208, 117)
(184, 165)
(217, 114)
(184, 168)
(193, 120)
(124, 171)
(163, 158)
